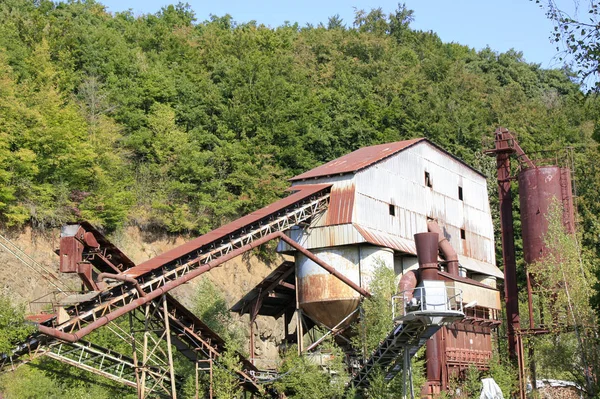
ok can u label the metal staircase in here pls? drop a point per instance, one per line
(422, 313)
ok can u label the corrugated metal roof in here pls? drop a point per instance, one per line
(382, 239)
(275, 305)
(300, 193)
(357, 160)
(366, 156)
(478, 266)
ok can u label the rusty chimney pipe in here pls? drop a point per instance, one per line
(427, 254)
(446, 249)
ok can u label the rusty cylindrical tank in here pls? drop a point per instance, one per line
(326, 298)
(427, 254)
(537, 188)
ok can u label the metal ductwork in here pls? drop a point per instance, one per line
(427, 255)
(445, 247)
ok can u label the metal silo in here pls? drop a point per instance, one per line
(538, 187)
(324, 297)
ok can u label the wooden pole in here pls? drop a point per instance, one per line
(169, 349)
(141, 394)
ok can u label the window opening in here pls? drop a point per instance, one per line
(428, 180)
(392, 210)
(460, 193)
(463, 234)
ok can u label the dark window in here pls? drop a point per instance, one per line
(392, 210)
(460, 195)
(463, 234)
(428, 180)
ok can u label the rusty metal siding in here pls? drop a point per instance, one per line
(322, 237)
(387, 240)
(341, 204)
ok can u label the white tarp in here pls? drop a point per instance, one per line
(490, 389)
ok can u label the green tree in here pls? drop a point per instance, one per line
(578, 35)
(565, 278)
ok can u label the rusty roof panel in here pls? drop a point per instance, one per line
(387, 240)
(357, 160)
(341, 205)
(300, 192)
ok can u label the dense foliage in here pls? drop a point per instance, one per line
(565, 279)
(165, 122)
(577, 35)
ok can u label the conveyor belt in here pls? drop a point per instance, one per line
(160, 274)
(177, 266)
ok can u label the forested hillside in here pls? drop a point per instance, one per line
(166, 122)
(170, 123)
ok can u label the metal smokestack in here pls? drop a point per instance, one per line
(427, 255)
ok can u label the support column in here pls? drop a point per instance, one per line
(134, 354)
(141, 394)
(169, 348)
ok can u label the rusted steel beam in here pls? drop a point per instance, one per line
(123, 278)
(505, 146)
(105, 319)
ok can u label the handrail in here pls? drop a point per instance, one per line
(416, 301)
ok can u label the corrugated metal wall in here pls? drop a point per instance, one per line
(400, 181)
(364, 199)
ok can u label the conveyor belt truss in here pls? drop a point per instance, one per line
(187, 266)
(144, 288)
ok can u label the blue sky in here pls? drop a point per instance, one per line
(518, 24)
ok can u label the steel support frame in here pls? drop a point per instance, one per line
(94, 359)
(505, 146)
(122, 294)
(334, 331)
(154, 370)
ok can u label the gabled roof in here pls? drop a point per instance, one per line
(357, 160)
(366, 156)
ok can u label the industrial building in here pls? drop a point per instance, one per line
(408, 206)
(381, 196)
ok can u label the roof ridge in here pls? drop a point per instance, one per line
(358, 159)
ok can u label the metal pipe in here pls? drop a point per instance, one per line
(446, 248)
(427, 253)
(124, 278)
(408, 282)
(74, 337)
